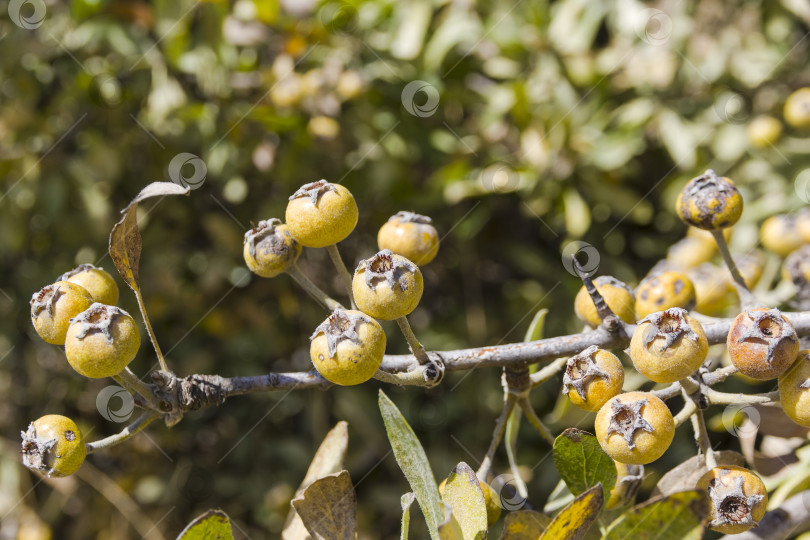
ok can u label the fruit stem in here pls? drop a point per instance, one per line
(549, 371)
(723, 398)
(414, 377)
(534, 420)
(313, 290)
(497, 435)
(416, 348)
(343, 272)
(747, 298)
(610, 321)
(152, 338)
(134, 385)
(689, 408)
(141, 422)
(699, 427)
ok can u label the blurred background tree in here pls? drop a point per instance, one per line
(519, 127)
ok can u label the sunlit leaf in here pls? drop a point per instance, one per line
(212, 525)
(675, 517)
(462, 493)
(449, 528)
(328, 460)
(328, 508)
(524, 525)
(414, 463)
(573, 521)
(582, 463)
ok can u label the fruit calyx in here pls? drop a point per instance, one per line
(385, 267)
(313, 190)
(580, 370)
(338, 327)
(97, 318)
(626, 419)
(670, 324)
(730, 503)
(770, 327)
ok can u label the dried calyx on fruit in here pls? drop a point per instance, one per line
(626, 419)
(387, 286)
(762, 343)
(592, 377)
(348, 347)
(54, 305)
(270, 248)
(321, 214)
(99, 283)
(411, 235)
(668, 346)
(101, 341)
(53, 445)
(580, 370)
(710, 202)
(738, 498)
(383, 267)
(634, 428)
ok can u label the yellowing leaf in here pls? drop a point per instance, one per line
(125, 238)
(328, 508)
(678, 516)
(212, 525)
(449, 529)
(463, 494)
(573, 521)
(581, 462)
(328, 460)
(524, 525)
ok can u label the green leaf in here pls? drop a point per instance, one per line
(414, 463)
(328, 460)
(406, 501)
(328, 508)
(678, 516)
(463, 494)
(524, 525)
(582, 463)
(212, 525)
(573, 522)
(535, 330)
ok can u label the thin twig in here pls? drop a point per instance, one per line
(149, 330)
(723, 398)
(134, 385)
(747, 299)
(612, 323)
(534, 420)
(688, 410)
(343, 272)
(539, 377)
(497, 435)
(416, 347)
(416, 377)
(141, 422)
(313, 290)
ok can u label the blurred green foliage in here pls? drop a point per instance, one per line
(536, 123)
